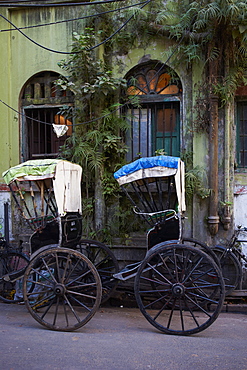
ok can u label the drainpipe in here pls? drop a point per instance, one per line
(213, 218)
(226, 217)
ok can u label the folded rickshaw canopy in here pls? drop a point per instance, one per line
(66, 177)
(31, 170)
(158, 166)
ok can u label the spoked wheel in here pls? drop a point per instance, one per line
(202, 246)
(105, 263)
(172, 286)
(11, 292)
(231, 268)
(66, 289)
(208, 250)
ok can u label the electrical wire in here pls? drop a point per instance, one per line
(119, 29)
(31, 40)
(43, 5)
(108, 114)
(24, 115)
(22, 1)
(73, 19)
(121, 105)
(74, 52)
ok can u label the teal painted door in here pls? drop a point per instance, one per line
(166, 128)
(154, 126)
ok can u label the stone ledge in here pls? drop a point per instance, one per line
(235, 307)
(238, 293)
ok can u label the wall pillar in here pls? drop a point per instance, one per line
(213, 218)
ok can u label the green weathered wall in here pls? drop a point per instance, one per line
(21, 59)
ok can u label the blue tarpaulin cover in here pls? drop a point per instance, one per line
(148, 162)
(159, 166)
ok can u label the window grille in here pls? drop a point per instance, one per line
(40, 138)
(42, 102)
(242, 134)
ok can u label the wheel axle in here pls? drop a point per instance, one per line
(59, 289)
(178, 290)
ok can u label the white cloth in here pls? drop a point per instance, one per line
(60, 130)
(67, 187)
(180, 187)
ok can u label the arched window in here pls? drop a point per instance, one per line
(155, 122)
(42, 103)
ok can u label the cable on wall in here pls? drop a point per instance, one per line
(73, 19)
(51, 5)
(75, 52)
(121, 105)
(106, 115)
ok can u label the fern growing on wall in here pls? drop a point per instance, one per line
(215, 32)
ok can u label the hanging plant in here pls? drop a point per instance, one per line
(194, 178)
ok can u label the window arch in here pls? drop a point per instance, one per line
(42, 103)
(155, 122)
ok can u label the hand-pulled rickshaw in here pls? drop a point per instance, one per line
(178, 286)
(62, 288)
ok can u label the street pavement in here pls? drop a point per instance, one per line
(119, 338)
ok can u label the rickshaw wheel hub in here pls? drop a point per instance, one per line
(59, 289)
(178, 290)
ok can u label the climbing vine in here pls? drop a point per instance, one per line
(210, 32)
(97, 143)
(214, 32)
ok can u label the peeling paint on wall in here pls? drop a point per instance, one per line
(240, 212)
(4, 198)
